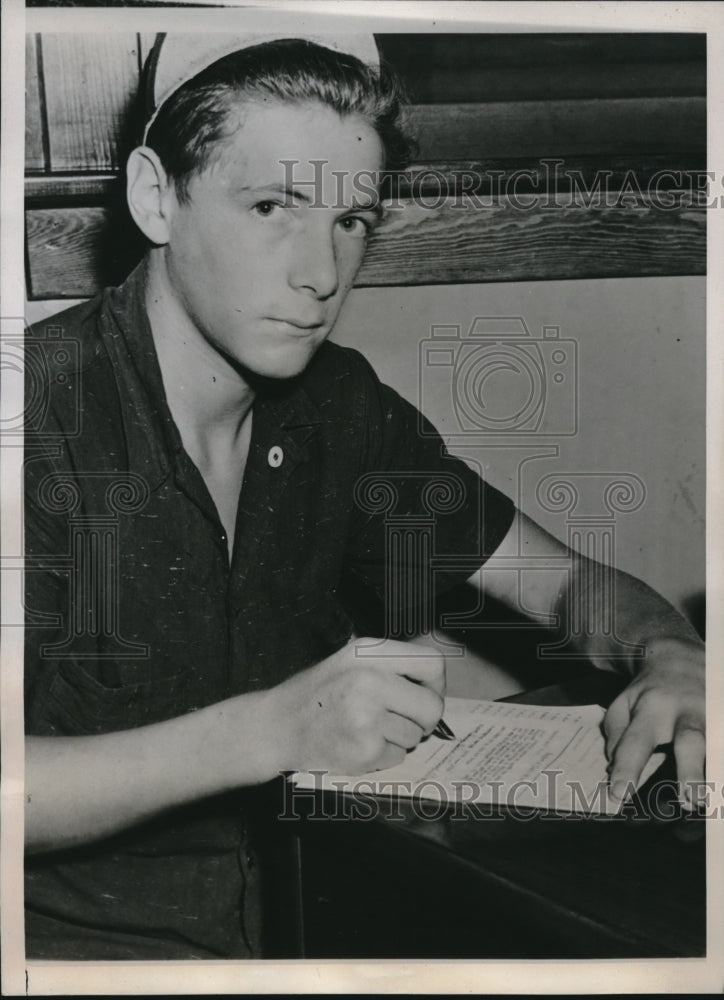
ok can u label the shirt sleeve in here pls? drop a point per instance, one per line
(424, 520)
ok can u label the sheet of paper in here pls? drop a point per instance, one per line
(526, 756)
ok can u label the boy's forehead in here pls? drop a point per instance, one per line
(284, 142)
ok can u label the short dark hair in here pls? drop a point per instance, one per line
(195, 119)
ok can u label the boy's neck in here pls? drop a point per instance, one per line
(208, 398)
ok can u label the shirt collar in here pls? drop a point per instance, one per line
(152, 437)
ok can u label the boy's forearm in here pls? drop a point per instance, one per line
(82, 788)
(613, 616)
(350, 713)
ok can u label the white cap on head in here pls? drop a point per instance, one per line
(177, 58)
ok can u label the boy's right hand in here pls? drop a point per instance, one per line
(359, 710)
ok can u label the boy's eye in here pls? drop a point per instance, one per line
(355, 225)
(266, 208)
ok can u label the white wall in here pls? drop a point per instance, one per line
(641, 354)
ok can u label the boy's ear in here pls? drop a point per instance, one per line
(149, 194)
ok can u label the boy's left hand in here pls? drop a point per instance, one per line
(664, 703)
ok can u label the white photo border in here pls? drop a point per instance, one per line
(309, 976)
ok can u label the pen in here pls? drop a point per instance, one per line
(443, 731)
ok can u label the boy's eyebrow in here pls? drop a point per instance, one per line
(375, 208)
(290, 192)
(271, 188)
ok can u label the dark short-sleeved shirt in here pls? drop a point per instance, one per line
(135, 614)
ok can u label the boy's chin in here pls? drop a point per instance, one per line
(281, 369)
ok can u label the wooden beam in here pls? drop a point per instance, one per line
(73, 252)
(481, 177)
(453, 244)
(62, 190)
(552, 175)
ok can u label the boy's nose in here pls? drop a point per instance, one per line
(315, 264)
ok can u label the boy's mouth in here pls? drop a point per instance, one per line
(300, 326)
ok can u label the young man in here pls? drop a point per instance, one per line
(206, 489)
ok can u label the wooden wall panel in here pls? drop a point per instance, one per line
(34, 156)
(90, 81)
(450, 68)
(65, 252)
(448, 84)
(419, 246)
(146, 40)
(559, 128)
